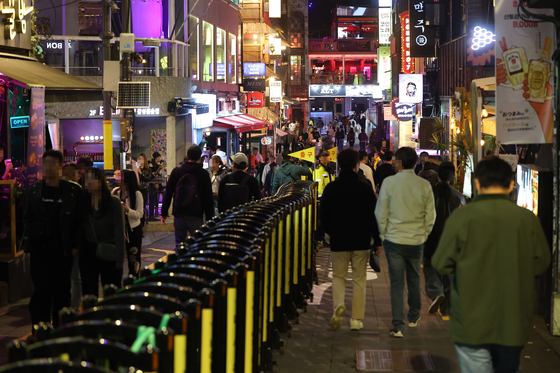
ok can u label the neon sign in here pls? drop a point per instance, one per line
(406, 60)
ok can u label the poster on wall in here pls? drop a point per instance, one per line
(35, 141)
(411, 88)
(524, 78)
(158, 143)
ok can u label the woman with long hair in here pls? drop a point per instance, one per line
(143, 168)
(133, 205)
(351, 137)
(103, 239)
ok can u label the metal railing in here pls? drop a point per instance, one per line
(343, 45)
(82, 56)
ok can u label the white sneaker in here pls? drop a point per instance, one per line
(414, 324)
(356, 324)
(396, 334)
(336, 319)
(436, 303)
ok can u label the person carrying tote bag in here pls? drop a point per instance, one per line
(103, 239)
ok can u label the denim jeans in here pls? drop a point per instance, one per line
(482, 358)
(404, 259)
(436, 285)
(185, 225)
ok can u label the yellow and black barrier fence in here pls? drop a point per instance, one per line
(218, 305)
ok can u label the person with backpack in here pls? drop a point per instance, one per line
(190, 189)
(133, 205)
(288, 172)
(238, 187)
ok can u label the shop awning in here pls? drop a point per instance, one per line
(241, 123)
(31, 72)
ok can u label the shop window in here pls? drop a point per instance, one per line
(232, 58)
(193, 48)
(295, 70)
(221, 42)
(208, 52)
(297, 30)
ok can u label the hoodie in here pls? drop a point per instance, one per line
(203, 186)
(287, 173)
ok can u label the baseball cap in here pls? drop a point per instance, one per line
(239, 158)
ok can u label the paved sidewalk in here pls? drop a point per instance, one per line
(15, 322)
(315, 348)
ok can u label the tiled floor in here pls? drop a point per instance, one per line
(315, 348)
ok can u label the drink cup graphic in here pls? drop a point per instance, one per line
(539, 73)
(515, 62)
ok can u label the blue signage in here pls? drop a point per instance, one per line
(221, 69)
(19, 122)
(254, 69)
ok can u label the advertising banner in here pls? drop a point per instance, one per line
(388, 113)
(276, 91)
(254, 69)
(407, 61)
(384, 67)
(373, 91)
(275, 48)
(35, 141)
(253, 85)
(384, 25)
(411, 88)
(316, 90)
(255, 100)
(422, 36)
(403, 111)
(524, 78)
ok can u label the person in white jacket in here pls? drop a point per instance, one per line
(133, 205)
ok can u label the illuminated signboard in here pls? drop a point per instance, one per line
(14, 22)
(422, 36)
(384, 67)
(373, 91)
(19, 122)
(403, 111)
(275, 91)
(321, 90)
(254, 68)
(406, 60)
(411, 88)
(481, 47)
(255, 100)
(274, 9)
(275, 48)
(384, 25)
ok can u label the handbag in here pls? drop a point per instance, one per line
(374, 261)
(104, 251)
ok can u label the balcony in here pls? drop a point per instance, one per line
(83, 56)
(342, 45)
(453, 66)
(339, 78)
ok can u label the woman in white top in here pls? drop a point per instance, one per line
(216, 171)
(133, 205)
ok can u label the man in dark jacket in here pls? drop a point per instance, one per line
(239, 181)
(288, 172)
(351, 227)
(385, 170)
(429, 173)
(188, 219)
(50, 223)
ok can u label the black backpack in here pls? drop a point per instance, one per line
(236, 194)
(187, 198)
(362, 177)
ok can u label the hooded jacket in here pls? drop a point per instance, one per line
(203, 186)
(287, 173)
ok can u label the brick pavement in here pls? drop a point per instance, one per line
(315, 348)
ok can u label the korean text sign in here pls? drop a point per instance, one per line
(407, 61)
(524, 77)
(422, 36)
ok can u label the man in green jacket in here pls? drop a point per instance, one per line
(288, 172)
(495, 249)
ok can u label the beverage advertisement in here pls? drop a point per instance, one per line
(35, 141)
(524, 78)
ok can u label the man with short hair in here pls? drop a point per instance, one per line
(238, 187)
(340, 215)
(266, 168)
(385, 170)
(495, 249)
(195, 202)
(366, 169)
(424, 158)
(50, 222)
(256, 159)
(405, 213)
(288, 172)
(70, 172)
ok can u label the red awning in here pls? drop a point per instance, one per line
(241, 123)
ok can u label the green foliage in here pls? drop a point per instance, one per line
(36, 50)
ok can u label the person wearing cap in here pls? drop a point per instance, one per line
(236, 182)
(322, 175)
(288, 172)
(185, 220)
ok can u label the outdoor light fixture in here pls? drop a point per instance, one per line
(82, 138)
(458, 130)
(484, 112)
(482, 38)
(481, 142)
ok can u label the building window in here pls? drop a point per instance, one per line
(295, 70)
(297, 30)
(208, 52)
(232, 58)
(221, 42)
(193, 48)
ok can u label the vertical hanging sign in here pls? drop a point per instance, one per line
(407, 62)
(422, 36)
(384, 25)
(524, 76)
(35, 140)
(384, 67)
